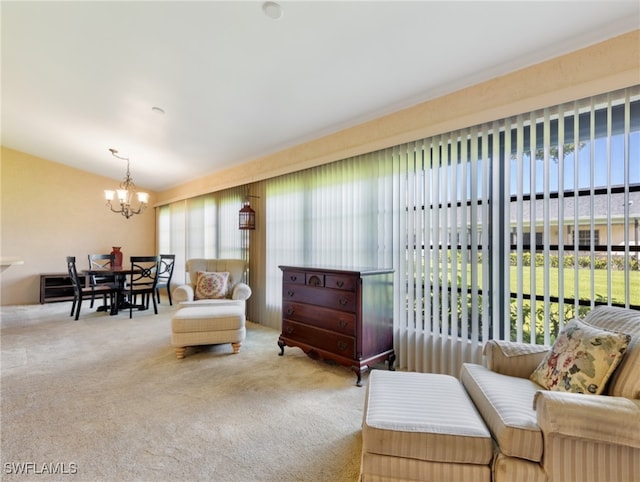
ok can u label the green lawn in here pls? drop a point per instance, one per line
(551, 317)
(600, 293)
(600, 280)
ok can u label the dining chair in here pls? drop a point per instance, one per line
(81, 292)
(142, 282)
(164, 276)
(97, 261)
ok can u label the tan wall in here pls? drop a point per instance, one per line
(607, 66)
(50, 211)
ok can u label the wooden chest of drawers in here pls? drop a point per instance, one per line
(344, 315)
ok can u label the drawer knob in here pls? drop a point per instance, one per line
(343, 302)
(290, 293)
(342, 346)
(340, 283)
(289, 330)
(290, 311)
(343, 323)
(293, 278)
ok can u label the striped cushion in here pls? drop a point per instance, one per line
(208, 318)
(208, 337)
(506, 405)
(625, 381)
(423, 416)
(382, 468)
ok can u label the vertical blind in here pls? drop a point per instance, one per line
(201, 227)
(501, 230)
(574, 199)
(336, 215)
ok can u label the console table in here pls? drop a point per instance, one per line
(343, 315)
(57, 287)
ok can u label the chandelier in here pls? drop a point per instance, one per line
(126, 193)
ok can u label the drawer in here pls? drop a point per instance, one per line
(332, 320)
(338, 299)
(318, 338)
(341, 282)
(294, 277)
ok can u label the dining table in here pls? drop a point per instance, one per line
(120, 274)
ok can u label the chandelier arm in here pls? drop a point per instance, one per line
(110, 206)
(118, 211)
(126, 210)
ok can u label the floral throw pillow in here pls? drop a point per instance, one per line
(581, 360)
(211, 285)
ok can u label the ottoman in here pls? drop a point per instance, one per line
(422, 426)
(208, 325)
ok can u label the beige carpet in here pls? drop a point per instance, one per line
(106, 398)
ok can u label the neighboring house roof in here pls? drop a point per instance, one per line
(599, 207)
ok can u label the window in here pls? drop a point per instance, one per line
(455, 215)
(573, 170)
(201, 227)
(585, 236)
(526, 240)
(502, 230)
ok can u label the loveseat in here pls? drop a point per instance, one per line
(554, 435)
(211, 291)
(539, 433)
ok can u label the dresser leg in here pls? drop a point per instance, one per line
(281, 345)
(392, 360)
(359, 371)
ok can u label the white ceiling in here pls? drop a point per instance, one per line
(81, 77)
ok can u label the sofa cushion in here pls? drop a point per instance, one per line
(384, 468)
(506, 405)
(423, 416)
(581, 360)
(196, 319)
(625, 381)
(515, 359)
(211, 285)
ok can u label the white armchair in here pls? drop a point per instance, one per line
(237, 291)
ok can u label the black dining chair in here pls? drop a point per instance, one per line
(81, 292)
(97, 261)
(164, 276)
(142, 282)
